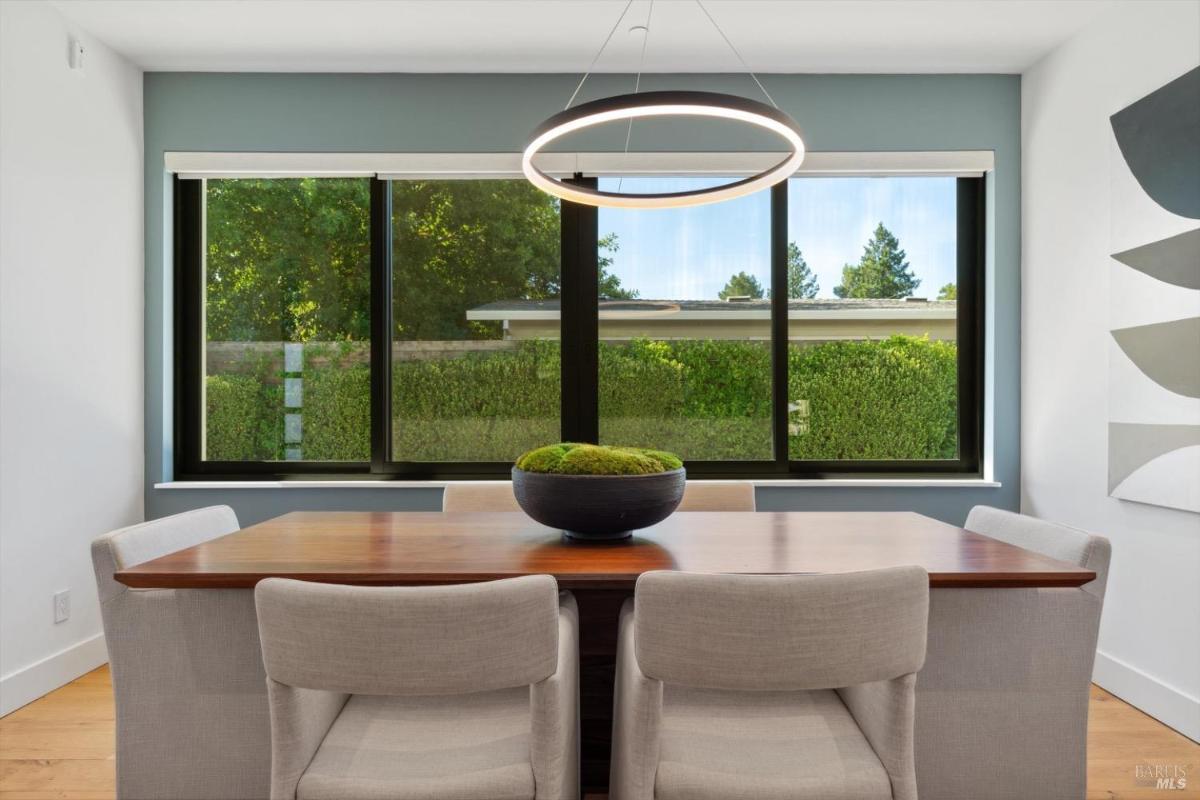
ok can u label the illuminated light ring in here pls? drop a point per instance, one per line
(659, 104)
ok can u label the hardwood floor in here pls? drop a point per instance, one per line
(61, 746)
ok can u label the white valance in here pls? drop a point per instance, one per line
(401, 166)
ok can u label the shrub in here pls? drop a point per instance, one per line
(337, 414)
(244, 420)
(714, 404)
(890, 399)
(706, 399)
(639, 378)
(477, 407)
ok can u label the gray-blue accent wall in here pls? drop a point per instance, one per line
(249, 112)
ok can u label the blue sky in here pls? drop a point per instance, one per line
(689, 254)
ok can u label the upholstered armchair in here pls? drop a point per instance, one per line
(732, 687)
(466, 692)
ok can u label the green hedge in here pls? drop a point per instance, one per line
(477, 407)
(890, 399)
(705, 399)
(337, 414)
(244, 419)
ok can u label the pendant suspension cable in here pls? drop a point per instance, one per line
(599, 53)
(637, 84)
(628, 107)
(745, 66)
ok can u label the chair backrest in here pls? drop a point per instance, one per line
(472, 496)
(1061, 542)
(781, 632)
(146, 541)
(409, 640)
(723, 496)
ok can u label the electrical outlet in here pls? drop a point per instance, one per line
(62, 606)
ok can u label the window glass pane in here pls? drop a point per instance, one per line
(287, 320)
(475, 351)
(872, 272)
(685, 324)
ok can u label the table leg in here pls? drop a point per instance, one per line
(599, 612)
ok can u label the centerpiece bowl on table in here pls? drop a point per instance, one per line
(598, 492)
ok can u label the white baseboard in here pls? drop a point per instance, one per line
(1167, 704)
(27, 684)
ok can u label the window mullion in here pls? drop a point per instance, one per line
(381, 324)
(971, 205)
(579, 320)
(779, 323)
(189, 333)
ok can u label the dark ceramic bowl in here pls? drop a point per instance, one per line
(598, 506)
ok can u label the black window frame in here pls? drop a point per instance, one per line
(579, 337)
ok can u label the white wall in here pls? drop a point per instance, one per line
(1150, 633)
(71, 288)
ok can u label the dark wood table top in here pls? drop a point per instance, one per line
(421, 548)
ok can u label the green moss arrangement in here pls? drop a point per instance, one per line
(568, 458)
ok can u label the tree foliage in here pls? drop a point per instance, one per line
(883, 270)
(289, 259)
(610, 285)
(948, 292)
(460, 244)
(801, 282)
(743, 284)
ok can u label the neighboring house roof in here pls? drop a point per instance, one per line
(725, 309)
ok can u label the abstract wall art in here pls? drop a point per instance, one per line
(1154, 271)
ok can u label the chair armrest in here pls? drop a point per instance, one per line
(885, 711)
(300, 718)
(637, 721)
(554, 704)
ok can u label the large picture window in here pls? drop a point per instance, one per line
(286, 325)
(685, 329)
(469, 384)
(436, 327)
(872, 319)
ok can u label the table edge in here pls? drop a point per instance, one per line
(133, 579)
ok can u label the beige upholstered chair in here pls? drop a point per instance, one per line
(450, 692)
(1032, 697)
(186, 671)
(738, 687)
(723, 496)
(1050, 539)
(477, 496)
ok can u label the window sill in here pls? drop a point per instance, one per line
(767, 483)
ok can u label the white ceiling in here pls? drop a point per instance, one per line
(563, 35)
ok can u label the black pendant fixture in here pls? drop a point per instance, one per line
(663, 104)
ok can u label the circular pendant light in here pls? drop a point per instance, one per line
(664, 104)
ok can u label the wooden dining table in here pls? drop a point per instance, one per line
(430, 548)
